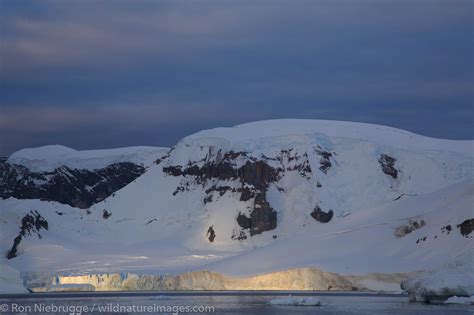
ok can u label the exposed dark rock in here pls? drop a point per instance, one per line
(321, 216)
(76, 187)
(325, 161)
(211, 234)
(240, 236)
(220, 189)
(243, 221)
(300, 164)
(246, 193)
(207, 199)
(304, 169)
(262, 218)
(106, 214)
(446, 229)
(178, 190)
(325, 154)
(253, 172)
(12, 252)
(254, 177)
(466, 227)
(258, 174)
(158, 161)
(421, 239)
(388, 165)
(59, 213)
(31, 224)
(399, 197)
(151, 221)
(412, 225)
(173, 170)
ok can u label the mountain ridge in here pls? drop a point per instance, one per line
(220, 197)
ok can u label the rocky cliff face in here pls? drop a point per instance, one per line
(31, 224)
(75, 187)
(247, 177)
(251, 177)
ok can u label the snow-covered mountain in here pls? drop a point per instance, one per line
(261, 197)
(76, 178)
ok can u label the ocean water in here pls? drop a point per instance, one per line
(218, 303)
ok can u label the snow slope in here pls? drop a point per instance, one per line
(10, 281)
(368, 238)
(47, 158)
(348, 198)
(354, 182)
(248, 135)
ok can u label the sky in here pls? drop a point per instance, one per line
(104, 74)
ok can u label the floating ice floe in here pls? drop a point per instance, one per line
(460, 300)
(297, 301)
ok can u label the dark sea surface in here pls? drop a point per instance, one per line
(202, 302)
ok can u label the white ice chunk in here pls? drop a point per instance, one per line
(460, 300)
(297, 301)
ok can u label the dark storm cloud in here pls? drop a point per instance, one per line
(112, 73)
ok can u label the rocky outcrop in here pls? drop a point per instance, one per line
(106, 214)
(262, 218)
(410, 226)
(254, 172)
(79, 188)
(296, 162)
(211, 234)
(321, 216)
(325, 161)
(31, 224)
(388, 165)
(253, 177)
(466, 227)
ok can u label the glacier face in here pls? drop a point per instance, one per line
(263, 197)
(454, 278)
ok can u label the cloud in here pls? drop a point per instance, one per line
(127, 68)
(47, 119)
(110, 34)
(120, 33)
